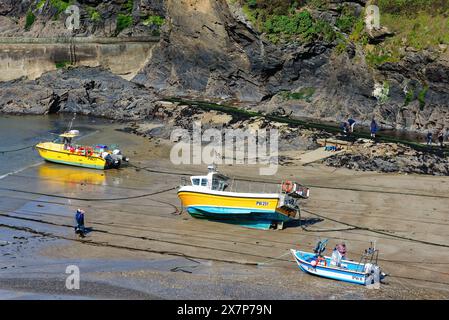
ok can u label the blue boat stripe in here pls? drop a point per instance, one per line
(331, 268)
(331, 277)
(230, 209)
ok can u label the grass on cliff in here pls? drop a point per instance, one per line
(61, 5)
(124, 21)
(62, 64)
(286, 21)
(94, 15)
(154, 23)
(417, 24)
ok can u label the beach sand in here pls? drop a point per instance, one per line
(144, 247)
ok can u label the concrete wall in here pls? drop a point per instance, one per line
(31, 58)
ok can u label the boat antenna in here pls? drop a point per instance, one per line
(71, 122)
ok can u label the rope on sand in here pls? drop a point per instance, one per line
(267, 262)
(380, 231)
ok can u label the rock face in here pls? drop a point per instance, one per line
(419, 72)
(50, 20)
(208, 50)
(88, 91)
(205, 52)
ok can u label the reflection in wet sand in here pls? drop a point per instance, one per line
(54, 175)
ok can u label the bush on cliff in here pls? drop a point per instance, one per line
(29, 20)
(123, 21)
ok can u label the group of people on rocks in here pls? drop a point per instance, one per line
(348, 129)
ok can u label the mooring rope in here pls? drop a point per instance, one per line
(16, 150)
(273, 259)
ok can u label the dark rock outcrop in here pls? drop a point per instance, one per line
(88, 91)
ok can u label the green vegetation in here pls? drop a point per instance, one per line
(303, 94)
(422, 97)
(417, 94)
(128, 6)
(412, 7)
(62, 64)
(41, 4)
(123, 21)
(345, 23)
(409, 97)
(61, 5)
(297, 26)
(289, 21)
(157, 21)
(94, 15)
(29, 20)
(421, 31)
(419, 24)
(378, 57)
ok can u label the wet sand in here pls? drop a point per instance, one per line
(145, 247)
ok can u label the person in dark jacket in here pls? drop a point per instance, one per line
(351, 123)
(441, 138)
(79, 218)
(373, 128)
(429, 138)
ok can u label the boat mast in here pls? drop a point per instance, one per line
(71, 122)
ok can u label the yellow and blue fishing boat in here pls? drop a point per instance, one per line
(207, 198)
(63, 151)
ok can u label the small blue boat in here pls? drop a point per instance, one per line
(366, 272)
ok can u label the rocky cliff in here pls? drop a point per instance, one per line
(321, 65)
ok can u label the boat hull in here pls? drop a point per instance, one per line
(250, 211)
(72, 159)
(351, 275)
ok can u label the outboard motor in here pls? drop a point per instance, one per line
(375, 274)
(118, 155)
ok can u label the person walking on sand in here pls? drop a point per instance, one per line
(429, 138)
(80, 229)
(373, 128)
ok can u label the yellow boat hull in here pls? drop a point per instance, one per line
(55, 153)
(254, 212)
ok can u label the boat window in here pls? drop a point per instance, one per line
(216, 184)
(204, 182)
(196, 182)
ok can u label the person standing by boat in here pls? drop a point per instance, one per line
(373, 128)
(79, 218)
